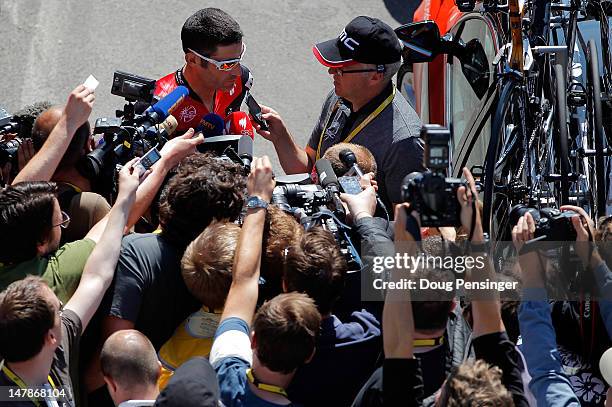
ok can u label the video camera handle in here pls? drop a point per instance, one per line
(348, 158)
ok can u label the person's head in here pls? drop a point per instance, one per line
(475, 384)
(204, 189)
(432, 307)
(365, 159)
(130, 367)
(79, 145)
(30, 321)
(211, 33)
(207, 263)
(285, 330)
(31, 216)
(315, 266)
(366, 44)
(281, 231)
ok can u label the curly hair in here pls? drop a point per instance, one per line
(204, 189)
(475, 384)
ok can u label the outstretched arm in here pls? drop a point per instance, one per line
(76, 112)
(242, 297)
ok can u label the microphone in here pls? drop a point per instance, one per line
(239, 123)
(211, 125)
(245, 151)
(167, 127)
(329, 181)
(349, 159)
(160, 110)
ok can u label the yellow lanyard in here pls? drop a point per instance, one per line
(420, 343)
(19, 382)
(266, 387)
(364, 123)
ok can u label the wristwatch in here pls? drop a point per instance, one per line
(256, 202)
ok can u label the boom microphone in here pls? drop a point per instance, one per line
(245, 151)
(239, 123)
(329, 181)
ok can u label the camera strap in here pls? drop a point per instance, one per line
(361, 125)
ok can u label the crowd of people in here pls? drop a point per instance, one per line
(188, 287)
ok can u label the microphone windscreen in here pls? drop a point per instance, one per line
(169, 125)
(211, 125)
(164, 107)
(239, 123)
(326, 174)
(245, 146)
(605, 366)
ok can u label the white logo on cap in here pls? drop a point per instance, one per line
(243, 122)
(348, 41)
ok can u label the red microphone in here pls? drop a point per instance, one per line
(239, 123)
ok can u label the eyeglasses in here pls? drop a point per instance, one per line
(65, 221)
(226, 65)
(60, 310)
(341, 72)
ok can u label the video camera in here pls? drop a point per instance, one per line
(432, 194)
(143, 123)
(20, 124)
(317, 205)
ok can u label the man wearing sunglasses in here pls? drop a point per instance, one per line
(364, 108)
(217, 82)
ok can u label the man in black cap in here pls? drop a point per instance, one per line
(364, 108)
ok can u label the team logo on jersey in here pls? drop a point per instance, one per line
(243, 122)
(188, 113)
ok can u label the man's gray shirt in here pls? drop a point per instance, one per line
(393, 137)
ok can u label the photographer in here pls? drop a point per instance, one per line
(471, 383)
(217, 82)
(39, 335)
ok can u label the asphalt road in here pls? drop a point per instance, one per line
(50, 46)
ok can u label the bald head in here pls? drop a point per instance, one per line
(43, 126)
(128, 357)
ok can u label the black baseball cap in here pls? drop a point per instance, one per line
(365, 39)
(193, 384)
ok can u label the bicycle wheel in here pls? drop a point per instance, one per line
(595, 124)
(505, 179)
(561, 156)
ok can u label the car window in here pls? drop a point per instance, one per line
(467, 91)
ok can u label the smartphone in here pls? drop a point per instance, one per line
(146, 161)
(350, 185)
(255, 111)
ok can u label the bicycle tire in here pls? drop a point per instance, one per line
(561, 140)
(496, 146)
(594, 87)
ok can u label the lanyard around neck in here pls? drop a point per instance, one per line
(263, 386)
(361, 125)
(20, 383)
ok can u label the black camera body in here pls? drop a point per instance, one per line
(551, 224)
(432, 194)
(434, 197)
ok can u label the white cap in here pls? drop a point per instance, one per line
(605, 366)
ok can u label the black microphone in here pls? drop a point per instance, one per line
(245, 151)
(349, 159)
(329, 181)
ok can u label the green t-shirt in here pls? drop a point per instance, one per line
(61, 270)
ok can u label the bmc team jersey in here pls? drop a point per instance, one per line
(190, 111)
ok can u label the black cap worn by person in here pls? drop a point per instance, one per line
(365, 39)
(194, 383)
